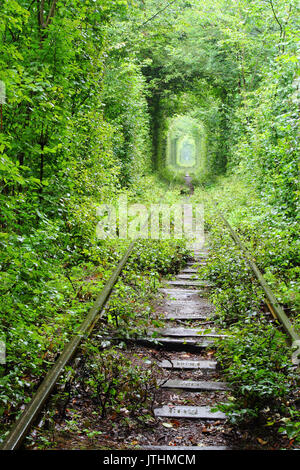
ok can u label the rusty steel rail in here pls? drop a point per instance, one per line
(272, 303)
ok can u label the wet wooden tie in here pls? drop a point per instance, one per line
(177, 364)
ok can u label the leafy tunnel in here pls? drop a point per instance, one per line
(107, 98)
(186, 146)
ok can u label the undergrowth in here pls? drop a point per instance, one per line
(255, 357)
(50, 284)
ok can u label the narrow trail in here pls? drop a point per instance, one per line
(193, 388)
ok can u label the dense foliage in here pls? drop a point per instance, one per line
(88, 90)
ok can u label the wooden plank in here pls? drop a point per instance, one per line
(201, 343)
(183, 294)
(195, 385)
(194, 303)
(179, 292)
(187, 315)
(188, 276)
(188, 332)
(180, 364)
(184, 340)
(190, 305)
(185, 282)
(195, 412)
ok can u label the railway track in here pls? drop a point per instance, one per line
(185, 301)
(188, 338)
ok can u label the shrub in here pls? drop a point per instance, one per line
(256, 362)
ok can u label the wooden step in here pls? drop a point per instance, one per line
(187, 283)
(183, 342)
(187, 315)
(188, 276)
(187, 332)
(185, 302)
(180, 364)
(194, 385)
(195, 264)
(195, 412)
(188, 306)
(182, 294)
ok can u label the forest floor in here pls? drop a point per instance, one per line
(116, 431)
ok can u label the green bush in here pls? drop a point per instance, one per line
(256, 362)
(114, 383)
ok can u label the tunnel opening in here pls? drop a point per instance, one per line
(186, 147)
